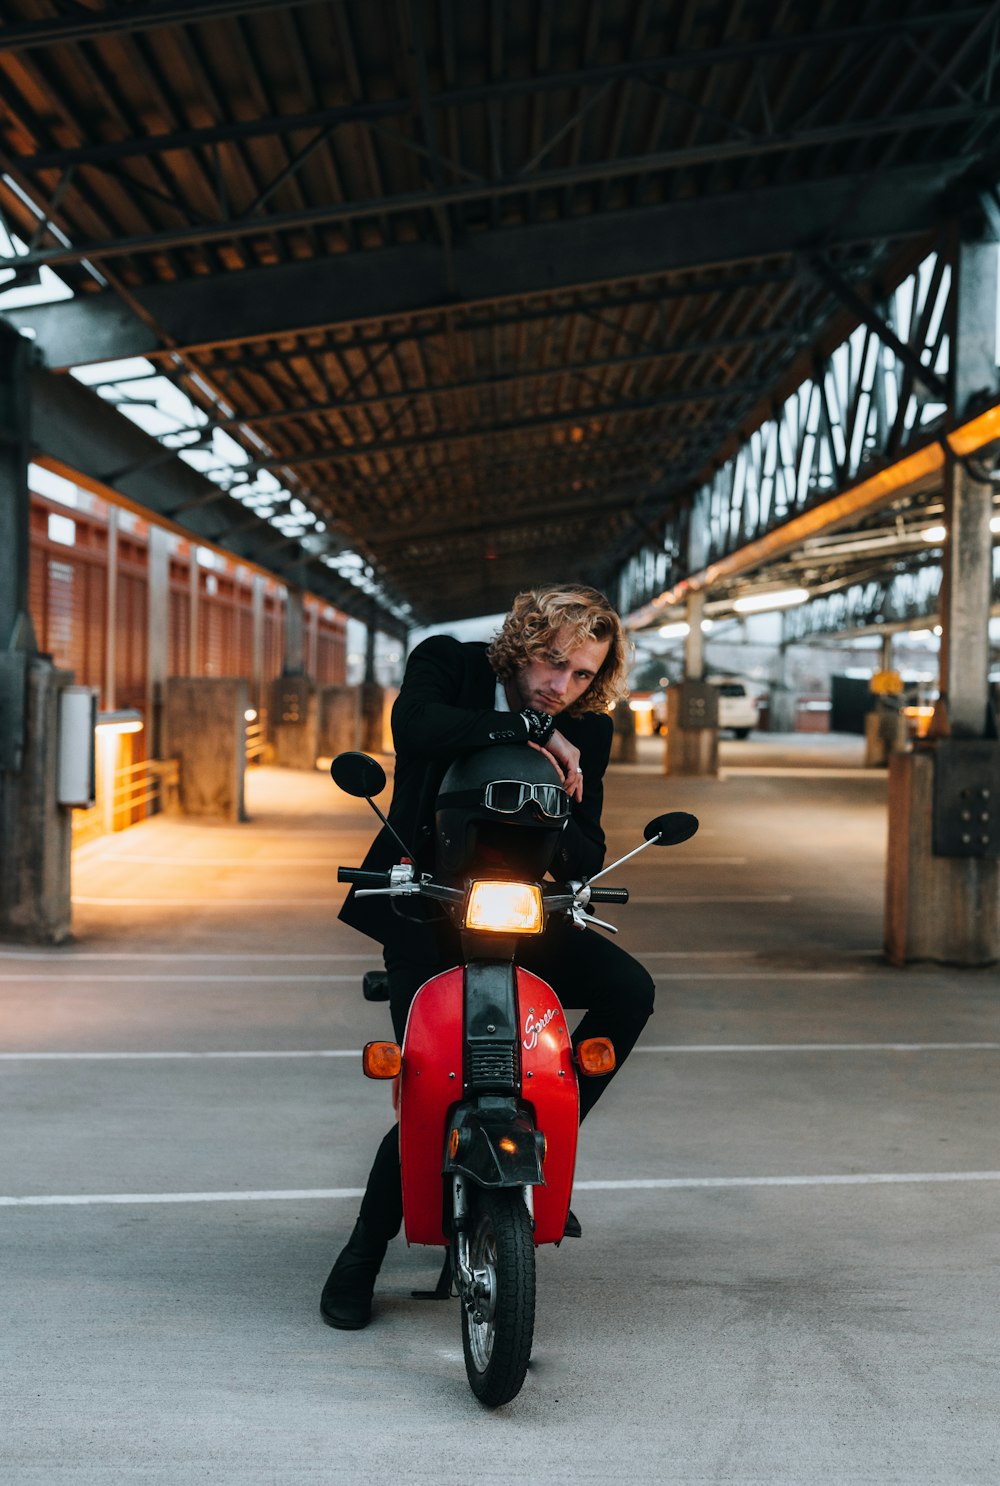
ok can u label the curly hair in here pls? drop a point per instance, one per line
(575, 615)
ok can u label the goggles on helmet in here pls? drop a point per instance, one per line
(508, 796)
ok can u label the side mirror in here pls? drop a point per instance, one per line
(357, 774)
(673, 828)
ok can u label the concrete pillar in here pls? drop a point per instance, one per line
(624, 747)
(943, 869)
(205, 730)
(966, 591)
(694, 641)
(295, 722)
(35, 832)
(110, 698)
(157, 632)
(339, 720)
(194, 593)
(692, 745)
(936, 907)
(781, 700)
(372, 717)
(295, 634)
(372, 696)
(370, 651)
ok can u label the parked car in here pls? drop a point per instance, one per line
(739, 712)
(739, 708)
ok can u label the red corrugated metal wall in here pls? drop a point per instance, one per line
(69, 604)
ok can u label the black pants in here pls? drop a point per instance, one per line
(585, 969)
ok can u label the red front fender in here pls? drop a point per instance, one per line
(431, 1084)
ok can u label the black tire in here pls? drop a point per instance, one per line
(498, 1349)
(741, 732)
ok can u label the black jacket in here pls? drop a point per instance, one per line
(445, 708)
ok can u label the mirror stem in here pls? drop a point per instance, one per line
(604, 870)
(406, 850)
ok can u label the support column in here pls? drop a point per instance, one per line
(885, 725)
(294, 704)
(35, 831)
(157, 632)
(966, 591)
(693, 707)
(372, 696)
(257, 639)
(694, 640)
(943, 870)
(295, 634)
(195, 591)
(110, 696)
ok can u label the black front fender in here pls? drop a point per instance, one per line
(494, 1147)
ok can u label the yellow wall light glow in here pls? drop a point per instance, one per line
(125, 721)
(505, 908)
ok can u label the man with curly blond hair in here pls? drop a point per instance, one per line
(547, 681)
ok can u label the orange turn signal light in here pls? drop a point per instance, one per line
(595, 1055)
(382, 1059)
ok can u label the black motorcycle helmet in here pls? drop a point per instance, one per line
(477, 829)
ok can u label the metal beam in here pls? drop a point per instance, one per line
(337, 453)
(267, 417)
(99, 327)
(339, 212)
(115, 19)
(513, 263)
(867, 315)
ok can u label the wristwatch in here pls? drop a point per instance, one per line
(540, 725)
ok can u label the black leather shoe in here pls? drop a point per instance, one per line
(346, 1301)
(572, 1229)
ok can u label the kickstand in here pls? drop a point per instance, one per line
(442, 1290)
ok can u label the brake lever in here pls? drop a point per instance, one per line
(588, 921)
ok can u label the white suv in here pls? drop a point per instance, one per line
(738, 710)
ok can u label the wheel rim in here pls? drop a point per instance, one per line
(482, 1334)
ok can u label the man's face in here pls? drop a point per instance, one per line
(557, 678)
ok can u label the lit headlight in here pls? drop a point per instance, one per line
(505, 907)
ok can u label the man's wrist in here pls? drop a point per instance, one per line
(540, 725)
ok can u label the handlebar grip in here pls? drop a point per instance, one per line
(609, 895)
(362, 878)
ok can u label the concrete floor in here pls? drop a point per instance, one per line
(790, 1264)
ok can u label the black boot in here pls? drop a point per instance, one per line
(346, 1301)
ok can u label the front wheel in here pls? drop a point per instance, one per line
(497, 1334)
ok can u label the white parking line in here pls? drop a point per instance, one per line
(673, 1048)
(679, 1183)
(717, 898)
(103, 977)
(274, 902)
(332, 899)
(71, 956)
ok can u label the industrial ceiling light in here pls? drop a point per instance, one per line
(938, 533)
(761, 603)
(680, 629)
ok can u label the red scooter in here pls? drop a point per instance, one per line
(486, 1089)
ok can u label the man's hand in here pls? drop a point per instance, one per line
(567, 760)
